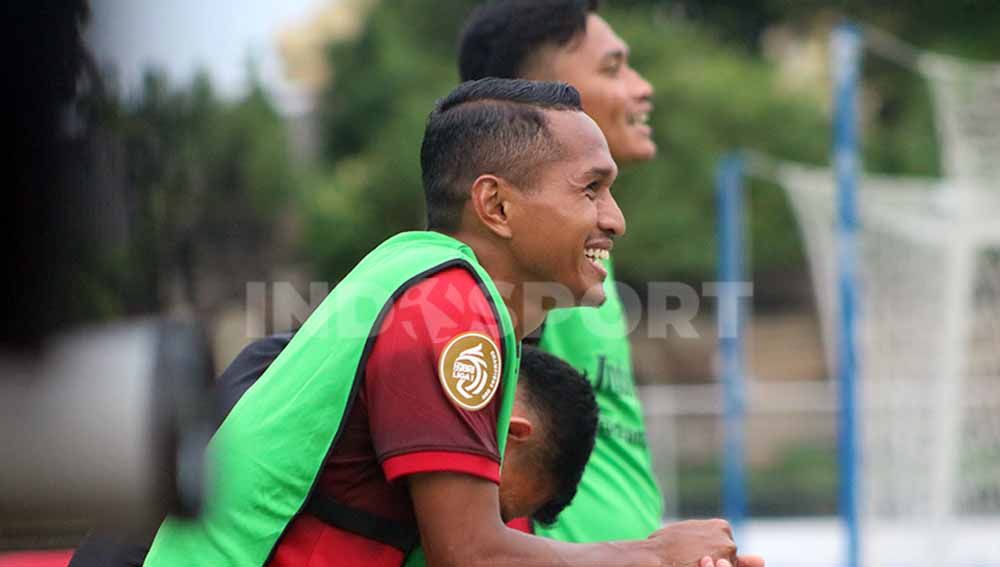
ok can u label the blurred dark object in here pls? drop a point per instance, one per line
(40, 87)
(104, 421)
(108, 551)
(125, 549)
(245, 369)
(108, 429)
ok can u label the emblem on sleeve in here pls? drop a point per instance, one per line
(469, 370)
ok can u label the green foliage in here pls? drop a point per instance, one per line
(964, 29)
(710, 98)
(204, 180)
(800, 481)
(373, 121)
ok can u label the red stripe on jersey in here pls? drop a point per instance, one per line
(441, 461)
(57, 558)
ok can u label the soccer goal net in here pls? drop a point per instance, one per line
(928, 330)
(924, 259)
(928, 335)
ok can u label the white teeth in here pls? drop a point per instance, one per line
(641, 118)
(597, 253)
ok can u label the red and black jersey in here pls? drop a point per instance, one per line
(402, 422)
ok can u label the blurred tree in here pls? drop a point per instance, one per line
(965, 28)
(204, 182)
(372, 120)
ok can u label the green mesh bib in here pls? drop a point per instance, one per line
(269, 451)
(618, 497)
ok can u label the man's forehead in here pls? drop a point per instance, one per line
(600, 40)
(584, 148)
(597, 41)
(575, 128)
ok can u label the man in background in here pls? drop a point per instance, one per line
(566, 40)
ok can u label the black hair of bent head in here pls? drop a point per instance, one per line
(500, 37)
(494, 126)
(564, 401)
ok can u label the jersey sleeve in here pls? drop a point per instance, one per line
(417, 424)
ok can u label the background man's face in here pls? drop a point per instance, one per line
(613, 94)
(565, 218)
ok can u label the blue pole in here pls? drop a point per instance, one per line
(846, 53)
(729, 195)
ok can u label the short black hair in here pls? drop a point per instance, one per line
(487, 126)
(564, 401)
(500, 37)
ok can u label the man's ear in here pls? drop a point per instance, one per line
(488, 197)
(521, 428)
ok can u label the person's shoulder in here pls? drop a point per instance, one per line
(455, 290)
(248, 366)
(438, 308)
(460, 277)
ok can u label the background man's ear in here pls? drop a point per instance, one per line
(488, 199)
(521, 428)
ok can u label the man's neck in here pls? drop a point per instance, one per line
(508, 279)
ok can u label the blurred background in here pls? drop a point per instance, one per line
(244, 147)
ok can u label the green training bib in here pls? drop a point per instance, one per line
(270, 449)
(618, 497)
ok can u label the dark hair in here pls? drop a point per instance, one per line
(500, 37)
(488, 126)
(564, 402)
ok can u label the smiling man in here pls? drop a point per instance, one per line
(566, 40)
(394, 398)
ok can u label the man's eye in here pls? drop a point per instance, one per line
(591, 190)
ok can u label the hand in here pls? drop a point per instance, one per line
(687, 543)
(741, 561)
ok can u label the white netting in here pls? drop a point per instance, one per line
(929, 348)
(967, 108)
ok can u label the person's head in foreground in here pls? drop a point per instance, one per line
(552, 430)
(564, 40)
(516, 170)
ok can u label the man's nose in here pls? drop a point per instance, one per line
(610, 218)
(639, 87)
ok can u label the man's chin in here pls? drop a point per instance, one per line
(592, 299)
(638, 152)
(650, 152)
(645, 152)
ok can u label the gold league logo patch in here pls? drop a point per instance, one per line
(469, 369)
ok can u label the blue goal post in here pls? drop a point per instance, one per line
(729, 203)
(846, 64)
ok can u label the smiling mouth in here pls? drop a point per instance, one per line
(595, 255)
(638, 119)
